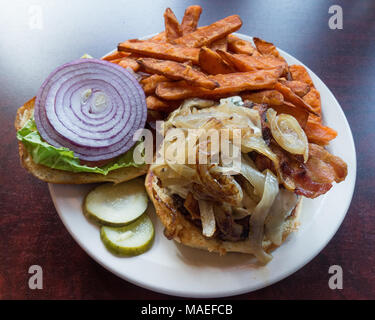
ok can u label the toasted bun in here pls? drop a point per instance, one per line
(47, 174)
(179, 228)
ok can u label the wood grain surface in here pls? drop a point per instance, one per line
(30, 229)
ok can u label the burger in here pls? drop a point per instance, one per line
(239, 190)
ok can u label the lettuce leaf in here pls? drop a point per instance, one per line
(63, 158)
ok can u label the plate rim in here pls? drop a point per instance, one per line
(245, 289)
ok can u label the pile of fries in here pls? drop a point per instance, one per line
(187, 61)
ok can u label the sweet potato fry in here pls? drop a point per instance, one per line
(244, 62)
(313, 99)
(116, 55)
(160, 37)
(177, 71)
(270, 97)
(300, 114)
(219, 44)
(230, 84)
(298, 87)
(212, 63)
(161, 50)
(266, 48)
(237, 45)
(206, 35)
(172, 26)
(300, 73)
(290, 96)
(149, 84)
(129, 63)
(190, 20)
(116, 61)
(154, 103)
(317, 133)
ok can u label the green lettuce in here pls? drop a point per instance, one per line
(63, 158)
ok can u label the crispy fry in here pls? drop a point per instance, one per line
(177, 71)
(298, 87)
(206, 35)
(116, 61)
(212, 63)
(266, 48)
(149, 84)
(129, 63)
(172, 26)
(160, 37)
(290, 96)
(300, 73)
(270, 97)
(116, 55)
(317, 133)
(237, 45)
(313, 99)
(300, 114)
(190, 20)
(230, 84)
(161, 50)
(219, 44)
(244, 62)
(154, 103)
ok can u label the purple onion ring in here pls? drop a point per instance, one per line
(92, 107)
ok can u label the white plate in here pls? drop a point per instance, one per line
(181, 271)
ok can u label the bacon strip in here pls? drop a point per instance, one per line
(325, 167)
(316, 176)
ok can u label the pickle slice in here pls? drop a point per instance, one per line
(131, 240)
(116, 205)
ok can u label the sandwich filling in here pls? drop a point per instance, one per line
(243, 184)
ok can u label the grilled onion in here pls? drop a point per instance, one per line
(257, 219)
(288, 133)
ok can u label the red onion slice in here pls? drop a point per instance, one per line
(93, 107)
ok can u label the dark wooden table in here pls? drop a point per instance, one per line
(34, 39)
